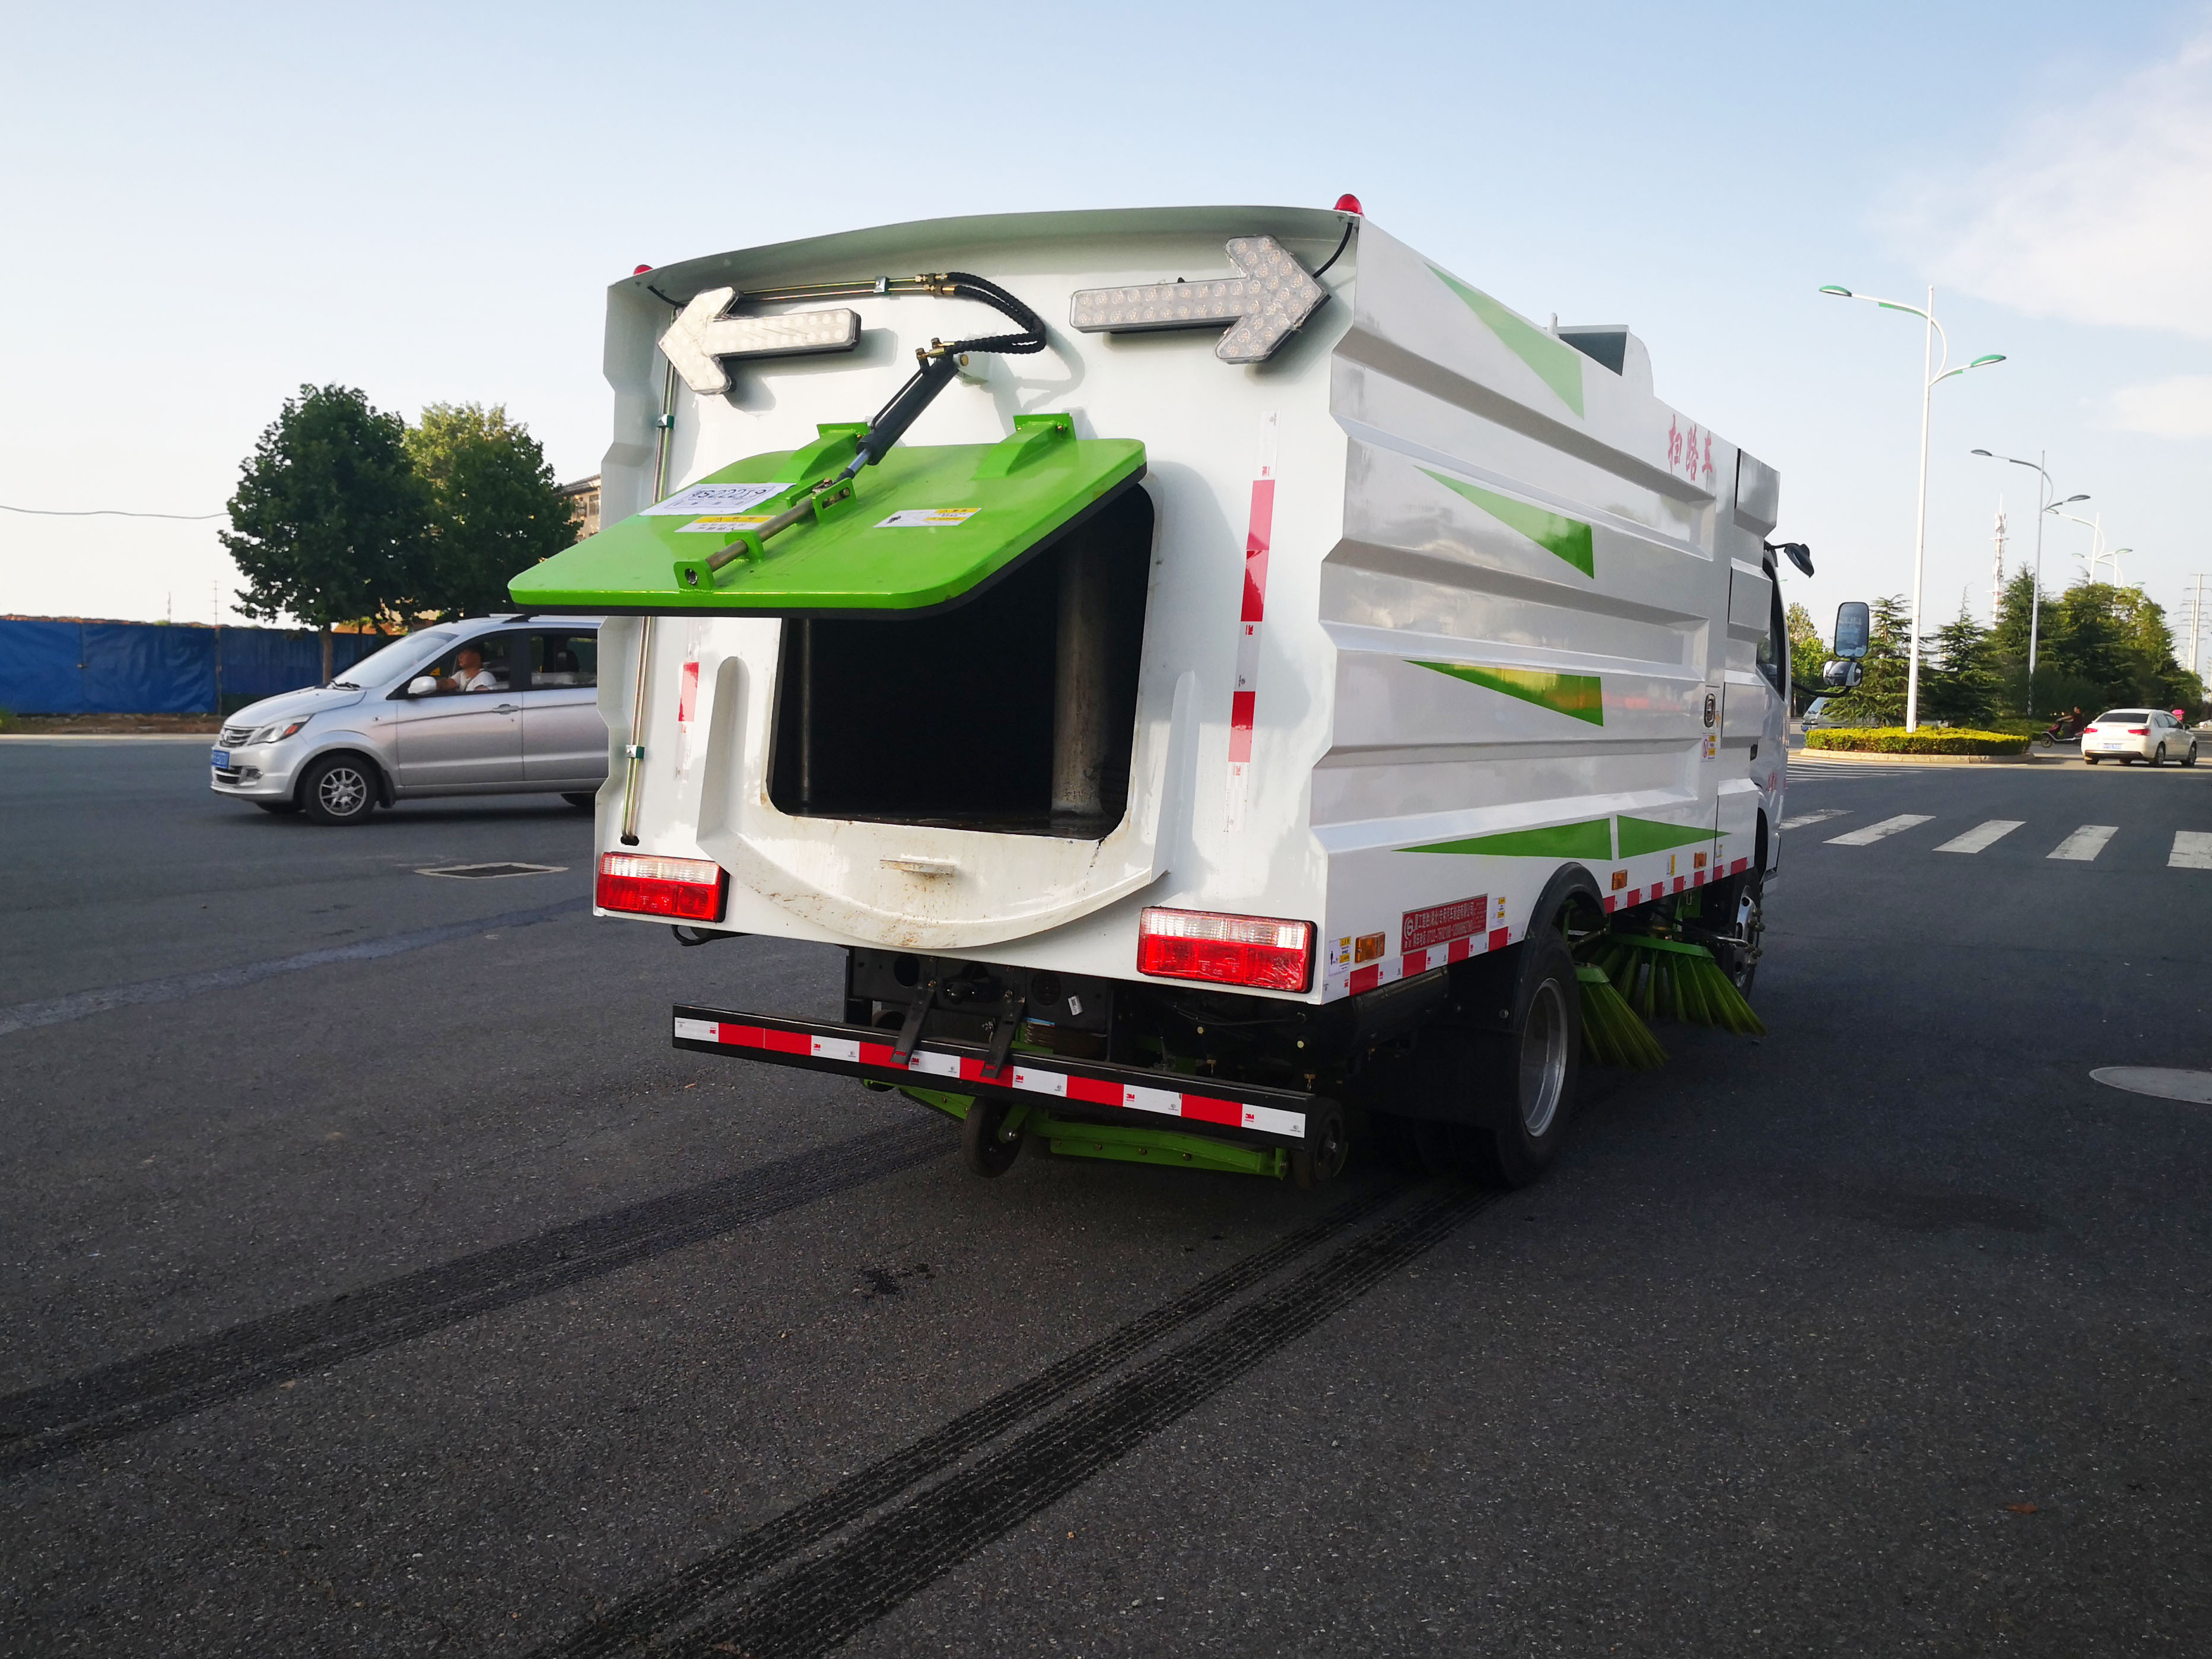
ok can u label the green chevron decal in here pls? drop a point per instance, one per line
(1578, 697)
(1558, 364)
(1569, 538)
(1591, 839)
(1644, 835)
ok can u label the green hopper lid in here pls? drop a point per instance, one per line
(922, 528)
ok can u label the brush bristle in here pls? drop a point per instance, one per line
(1611, 1031)
(1667, 978)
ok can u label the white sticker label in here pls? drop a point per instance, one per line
(722, 524)
(699, 1030)
(713, 498)
(929, 518)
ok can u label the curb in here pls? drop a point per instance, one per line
(205, 738)
(1875, 758)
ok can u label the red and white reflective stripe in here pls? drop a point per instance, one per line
(1345, 979)
(1259, 536)
(1030, 1079)
(687, 695)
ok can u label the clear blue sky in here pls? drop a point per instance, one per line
(208, 206)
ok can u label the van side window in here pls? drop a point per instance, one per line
(568, 657)
(1774, 644)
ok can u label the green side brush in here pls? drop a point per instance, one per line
(1666, 979)
(1611, 1034)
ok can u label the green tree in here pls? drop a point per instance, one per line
(1808, 652)
(1879, 697)
(1959, 672)
(496, 509)
(329, 518)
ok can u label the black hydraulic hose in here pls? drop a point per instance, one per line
(941, 361)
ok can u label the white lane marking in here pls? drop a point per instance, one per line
(1804, 818)
(1874, 832)
(2195, 1087)
(2085, 843)
(1981, 835)
(2192, 850)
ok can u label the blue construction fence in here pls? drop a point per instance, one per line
(64, 666)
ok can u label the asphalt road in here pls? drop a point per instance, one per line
(417, 1297)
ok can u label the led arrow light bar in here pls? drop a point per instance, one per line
(1266, 304)
(701, 337)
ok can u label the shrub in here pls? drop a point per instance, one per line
(1896, 740)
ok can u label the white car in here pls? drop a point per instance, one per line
(2128, 735)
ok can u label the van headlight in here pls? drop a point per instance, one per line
(274, 732)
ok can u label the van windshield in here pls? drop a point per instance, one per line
(396, 655)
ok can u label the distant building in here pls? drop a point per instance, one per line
(584, 501)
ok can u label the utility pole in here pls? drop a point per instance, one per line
(2195, 622)
(1997, 576)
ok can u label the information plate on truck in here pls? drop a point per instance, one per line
(1440, 924)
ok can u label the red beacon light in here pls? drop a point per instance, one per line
(641, 271)
(1350, 204)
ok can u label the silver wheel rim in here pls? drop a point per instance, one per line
(1543, 1058)
(342, 791)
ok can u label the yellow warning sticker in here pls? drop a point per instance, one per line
(929, 518)
(722, 523)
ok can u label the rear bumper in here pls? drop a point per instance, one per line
(1073, 1091)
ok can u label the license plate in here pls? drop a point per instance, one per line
(220, 759)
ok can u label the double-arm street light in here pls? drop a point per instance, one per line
(2045, 507)
(1933, 374)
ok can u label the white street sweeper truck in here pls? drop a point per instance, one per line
(1230, 686)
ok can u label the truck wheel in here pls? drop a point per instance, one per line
(1531, 1071)
(338, 790)
(1328, 1144)
(983, 1138)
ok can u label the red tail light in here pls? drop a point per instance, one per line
(645, 883)
(2138, 731)
(1261, 952)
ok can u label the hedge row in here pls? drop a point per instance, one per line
(1928, 740)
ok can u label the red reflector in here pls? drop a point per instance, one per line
(1260, 952)
(645, 883)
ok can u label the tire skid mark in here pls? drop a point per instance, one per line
(821, 1603)
(639, 1618)
(53, 1420)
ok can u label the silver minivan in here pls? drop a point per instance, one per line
(492, 706)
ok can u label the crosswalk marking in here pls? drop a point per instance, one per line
(1874, 832)
(2085, 843)
(1981, 835)
(1803, 819)
(2192, 850)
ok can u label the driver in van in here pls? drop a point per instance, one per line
(469, 673)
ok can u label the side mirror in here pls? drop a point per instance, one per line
(1854, 627)
(1840, 675)
(422, 685)
(1797, 553)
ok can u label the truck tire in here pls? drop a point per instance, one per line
(1528, 1074)
(1328, 1144)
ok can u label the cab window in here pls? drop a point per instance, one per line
(1774, 644)
(564, 658)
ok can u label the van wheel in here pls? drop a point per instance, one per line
(1528, 1074)
(581, 803)
(339, 789)
(1328, 1144)
(983, 1140)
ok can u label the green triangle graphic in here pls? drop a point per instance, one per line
(1591, 839)
(1569, 538)
(1578, 697)
(1558, 364)
(1644, 836)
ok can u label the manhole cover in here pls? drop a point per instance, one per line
(2195, 1087)
(485, 872)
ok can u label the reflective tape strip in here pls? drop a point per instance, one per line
(1244, 699)
(687, 695)
(1032, 1079)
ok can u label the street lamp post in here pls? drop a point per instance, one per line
(2044, 509)
(1932, 374)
